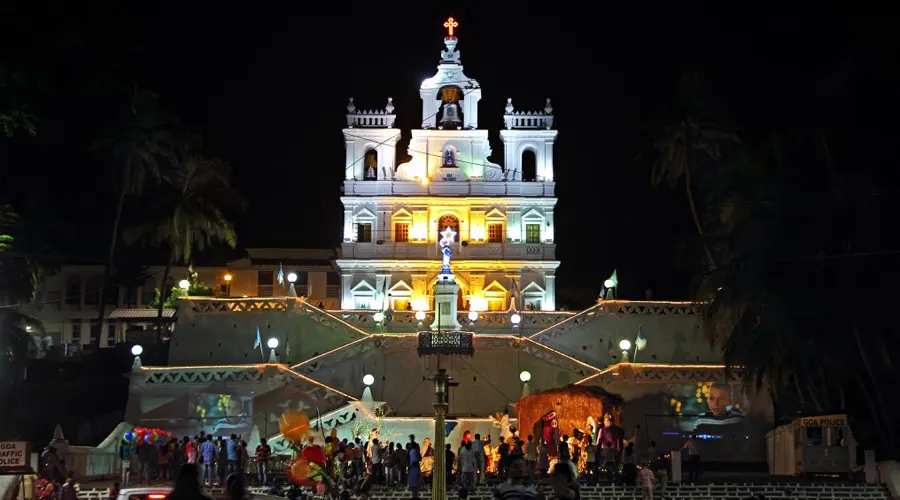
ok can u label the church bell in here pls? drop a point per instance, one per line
(451, 115)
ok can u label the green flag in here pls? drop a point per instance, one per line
(612, 281)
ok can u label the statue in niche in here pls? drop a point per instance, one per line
(370, 172)
(449, 158)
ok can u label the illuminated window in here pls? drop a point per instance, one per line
(449, 221)
(532, 233)
(401, 232)
(495, 233)
(495, 304)
(364, 233)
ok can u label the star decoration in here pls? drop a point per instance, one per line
(448, 234)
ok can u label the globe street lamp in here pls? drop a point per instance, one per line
(273, 344)
(368, 379)
(525, 376)
(184, 284)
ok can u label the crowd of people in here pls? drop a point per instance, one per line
(214, 457)
(517, 468)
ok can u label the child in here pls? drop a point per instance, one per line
(646, 479)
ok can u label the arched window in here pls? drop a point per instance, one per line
(73, 291)
(449, 221)
(450, 114)
(370, 165)
(92, 290)
(529, 166)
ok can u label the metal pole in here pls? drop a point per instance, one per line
(441, 406)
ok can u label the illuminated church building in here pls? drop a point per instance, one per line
(503, 216)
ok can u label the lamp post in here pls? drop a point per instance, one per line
(292, 278)
(273, 344)
(136, 351)
(446, 343)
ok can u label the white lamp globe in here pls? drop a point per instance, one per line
(625, 344)
(609, 284)
(525, 376)
(378, 317)
(473, 315)
(292, 277)
(137, 349)
(184, 284)
(420, 315)
(368, 379)
(515, 319)
(272, 343)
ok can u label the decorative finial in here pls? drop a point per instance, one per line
(351, 108)
(548, 109)
(390, 105)
(450, 24)
(509, 106)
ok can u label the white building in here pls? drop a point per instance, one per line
(505, 254)
(67, 301)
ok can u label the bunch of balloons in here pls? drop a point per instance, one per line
(309, 468)
(147, 435)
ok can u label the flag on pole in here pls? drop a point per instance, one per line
(258, 343)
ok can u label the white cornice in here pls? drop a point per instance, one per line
(455, 201)
(474, 265)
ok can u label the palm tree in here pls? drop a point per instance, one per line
(813, 327)
(190, 210)
(139, 145)
(676, 158)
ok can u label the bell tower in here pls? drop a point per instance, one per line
(450, 98)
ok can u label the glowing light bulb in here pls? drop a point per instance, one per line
(137, 349)
(625, 344)
(272, 343)
(368, 379)
(525, 376)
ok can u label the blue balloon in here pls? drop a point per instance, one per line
(129, 436)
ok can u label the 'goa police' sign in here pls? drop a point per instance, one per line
(828, 421)
(14, 454)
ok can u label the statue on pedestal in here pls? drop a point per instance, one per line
(447, 237)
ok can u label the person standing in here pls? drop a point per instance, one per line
(543, 459)
(467, 465)
(262, 458)
(530, 457)
(478, 453)
(208, 458)
(693, 458)
(646, 479)
(377, 467)
(233, 449)
(126, 452)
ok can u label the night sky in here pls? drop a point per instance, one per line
(268, 87)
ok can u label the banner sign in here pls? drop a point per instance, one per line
(824, 421)
(14, 455)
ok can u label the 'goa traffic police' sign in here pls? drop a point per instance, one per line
(14, 455)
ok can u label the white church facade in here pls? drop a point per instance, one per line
(504, 255)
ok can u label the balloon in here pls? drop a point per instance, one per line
(294, 425)
(300, 470)
(320, 489)
(314, 454)
(129, 436)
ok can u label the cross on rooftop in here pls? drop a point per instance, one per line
(450, 24)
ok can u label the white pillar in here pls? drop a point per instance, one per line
(346, 291)
(549, 302)
(445, 303)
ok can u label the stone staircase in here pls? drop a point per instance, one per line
(714, 491)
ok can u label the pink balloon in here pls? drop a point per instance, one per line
(320, 489)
